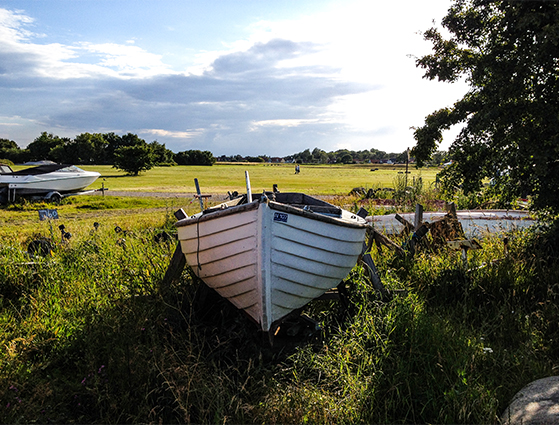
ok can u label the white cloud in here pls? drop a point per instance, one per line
(81, 60)
(283, 123)
(337, 77)
(360, 42)
(128, 60)
(172, 134)
(11, 26)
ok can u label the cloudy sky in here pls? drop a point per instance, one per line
(245, 77)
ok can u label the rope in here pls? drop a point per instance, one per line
(198, 247)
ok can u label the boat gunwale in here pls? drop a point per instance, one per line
(217, 214)
(278, 206)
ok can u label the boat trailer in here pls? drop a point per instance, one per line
(8, 195)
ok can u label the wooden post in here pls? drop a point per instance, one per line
(408, 227)
(371, 268)
(381, 239)
(451, 209)
(418, 216)
(174, 271)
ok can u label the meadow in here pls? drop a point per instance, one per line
(88, 336)
(220, 178)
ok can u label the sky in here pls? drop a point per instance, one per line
(248, 77)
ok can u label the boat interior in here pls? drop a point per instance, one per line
(293, 199)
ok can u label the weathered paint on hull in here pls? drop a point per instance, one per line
(476, 223)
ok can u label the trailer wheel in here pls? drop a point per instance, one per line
(55, 197)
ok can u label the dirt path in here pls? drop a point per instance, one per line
(149, 194)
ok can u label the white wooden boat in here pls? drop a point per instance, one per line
(273, 255)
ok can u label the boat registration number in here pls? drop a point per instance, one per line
(281, 217)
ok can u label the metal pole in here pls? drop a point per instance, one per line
(249, 192)
(199, 194)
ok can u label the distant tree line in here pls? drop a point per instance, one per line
(129, 152)
(345, 156)
(341, 156)
(134, 155)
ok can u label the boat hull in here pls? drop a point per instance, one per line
(269, 259)
(475, 223)
(57, 181)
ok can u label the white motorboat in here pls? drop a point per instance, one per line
(273, 255)
(46, 178)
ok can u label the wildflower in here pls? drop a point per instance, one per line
(487, 350)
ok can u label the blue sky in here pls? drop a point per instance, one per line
(233, 77)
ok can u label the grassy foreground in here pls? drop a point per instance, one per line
(87, 337)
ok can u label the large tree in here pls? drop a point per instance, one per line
(162, 155)
(134, 159)
(195, 157)
(508, 53)
(46, 147)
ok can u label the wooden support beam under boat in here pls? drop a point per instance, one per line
(408, 227)
(369, 265)
(174, 271)
(380, 239)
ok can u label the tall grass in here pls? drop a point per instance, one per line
(87, 337)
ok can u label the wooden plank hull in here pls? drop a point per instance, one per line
(269, 259)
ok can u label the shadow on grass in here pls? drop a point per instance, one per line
(146, 359)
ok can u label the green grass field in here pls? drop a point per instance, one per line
(217, 180)
(220, 178)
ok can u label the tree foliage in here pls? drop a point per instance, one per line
(40, 148)
(162, 155)
(508, 53)
(344, 156)
(195, 157)
(134, 159)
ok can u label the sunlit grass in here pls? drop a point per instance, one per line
(87, 337)
(220, 178)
